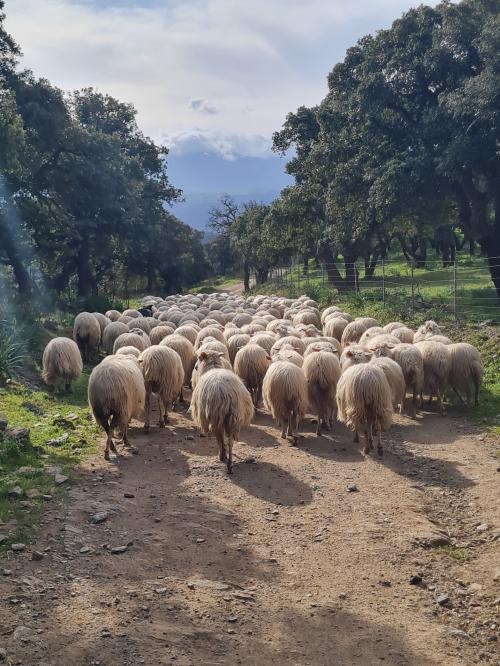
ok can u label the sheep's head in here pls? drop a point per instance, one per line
(354, 355)
(209, 360)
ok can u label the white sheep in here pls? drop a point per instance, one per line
(395, 378)
(322, 372)
(131, 339)
(103, 321)
(128, 351)
(335, 327)
(208, 360)
(163, 375)
(111, 333)
(251, 364)
(410, 360)
(116, 393)
(429, 328)
(264, 340)
(352, 333)
(466, 369)
(235, 343)
(404, 334)
(61, 362)
(87, 334)
(285, 394)
(222, 405)
(364, 403)
(436, 358)
(157, 334)
(113, 315)
(354, 355)
(185, 349)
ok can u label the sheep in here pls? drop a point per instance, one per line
(395, 378)
(87, 334)
(285, 394)
(111, 333)
(369, 322)
(466, 369)
(354, 355)
(352, 333)
(404, 334)
(61, 361)
(410, 360)
(264, 340)
(222, 405)
(323, 346)
(130, 340)
(189, 332)
(116, 393)
(307, 317)
(364, 403)
(214, 345)
(327, 311)
(235, 343)
(208, 360)
(335, 327)
(437, 362)
(297, 344)
(139, 324)
(322, 372)
(383, 340)
(186, 351)
(242, 318)
(128, 351)
(288, 353)
(208, 332)
(159, 332)
(392, 326)
(251, 364)
(370, 333)
(113, 315)
(132, 312)
(439, 338)
(429, 328)
(103, 321)
(164, 375)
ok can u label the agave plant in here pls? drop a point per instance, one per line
(12, 351)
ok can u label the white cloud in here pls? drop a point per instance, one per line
(255, 61)
(224, 144)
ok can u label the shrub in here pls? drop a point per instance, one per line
(13, 350)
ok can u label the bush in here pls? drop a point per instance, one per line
(97, 303)
(13, 350)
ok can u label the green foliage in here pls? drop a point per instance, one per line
(13, 351)
(459, 554)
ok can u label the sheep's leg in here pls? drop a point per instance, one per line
(421, 400)
(282, 425)
(467, 394)
(459, 396)
(230, 456)
(476, 393)
(161, 420)
(356, 437)
(380, 450)
(414, 404)
(295, 419)
(318, 427)
(147, 407)
(109, 442)
(368, 438)
(181, 396)
(222, 449)
(290, 427)
(67, 387)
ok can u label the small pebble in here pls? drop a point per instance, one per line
(352, 487)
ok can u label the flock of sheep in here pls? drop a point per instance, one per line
(234, 351)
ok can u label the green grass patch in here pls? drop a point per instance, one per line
(48, 417)
(458, 554)
(213, 284)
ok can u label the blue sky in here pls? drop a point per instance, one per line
(210, 77)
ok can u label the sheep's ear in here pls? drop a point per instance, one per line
(349, 354)
(316, 349)
(269, 358)
(220, 354)
(202, 356)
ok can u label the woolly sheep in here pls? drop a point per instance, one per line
(160, 332)
(103, 320)
(354, 355)
(323, 346)
(251, 364)
(87, 334)
(352, 333)
(128, 351)
(208, 332)
(335, 327)
(410, 360)
(364, 403)
(297, 344)
(189, 332)
(222, 405)
(61, 362)
(131, 340)
(135, 314)
(264, 340)
(437, 363)
(214, 345)
(392, 326)
(439, 338)
(429, 328)
(383, 340)
(235, 343)
(322, 372)
(327, 311)
(369, 322)
(113, 315)
(288, 353)
(206, 361)
(163, 375)
(111, 333)
(186, 351)
(285, 394)
(404, 334)
(140, 324)
(466, 368)
(307, 317)
(116, 393)
(370, 333)
(395, 379)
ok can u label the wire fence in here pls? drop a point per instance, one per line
(462, 289)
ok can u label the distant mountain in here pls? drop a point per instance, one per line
(204, 177)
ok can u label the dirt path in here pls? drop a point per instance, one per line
(277, 564)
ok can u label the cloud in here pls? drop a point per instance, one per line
(200, 105)
(257, 60)
(226, 145)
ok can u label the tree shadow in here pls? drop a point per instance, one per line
(271, 483)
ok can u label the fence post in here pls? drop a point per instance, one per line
(412, 289)
(355, 278)
(455, 314)
(383, 284)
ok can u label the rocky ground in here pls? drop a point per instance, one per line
(305, 555)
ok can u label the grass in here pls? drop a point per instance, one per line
(47, 417)
(212, 284)
(458, 554)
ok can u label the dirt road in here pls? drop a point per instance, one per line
(278, 564)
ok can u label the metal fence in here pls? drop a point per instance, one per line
(462, 290)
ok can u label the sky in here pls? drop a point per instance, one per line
(208, 77)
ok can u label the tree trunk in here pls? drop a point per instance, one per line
(15, 260)
(305, 264)
(246, 276)
(491, 247)
(370, 265)
(351, 274)
(83, 268)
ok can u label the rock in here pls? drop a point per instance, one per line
(117, 550)
(415, 580)
(161, 590)
(3, 654)
(23, 634)
(99, 517)
(443, 600)
(343, 595)
(232, 618)
(352, 487)
(7, 572)
(231, 631)
(199, 540)
(208, 584)
(484, 527)
(190, 438)
(20, 435)
(84, 550)
(28, 470)
(435, 539)
(58, 441)
(3, 423)
(60, 479)
(250, 460)
(18, 547)
(486, 322)
(2, 538)
(458, 633)
(496, 575)
(46, 498)
(33, 493)
(128, 495)
(15, 493)
(385, 583)
(36, 556)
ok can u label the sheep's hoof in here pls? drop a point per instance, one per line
(283, 435)
(146, 428)
(161, 424)
(366, 450)
(106, 455)
(380, 452)
(222, 457)
(229, 469)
